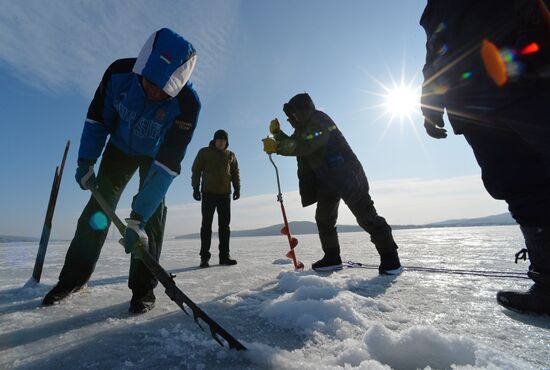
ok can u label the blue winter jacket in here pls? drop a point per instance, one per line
(137, 126)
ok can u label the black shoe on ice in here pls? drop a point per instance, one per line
(204, 264)
(142, 303)
(390, 264)
(332, 263)
(227, 261)
(534, 301)
(59, 293)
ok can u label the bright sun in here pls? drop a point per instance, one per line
(401, 101)
(398, 101)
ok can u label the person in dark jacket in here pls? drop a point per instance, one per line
(218, 168)
(149, 110)
(488, 66)
(329, 171)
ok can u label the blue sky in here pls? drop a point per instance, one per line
(252, 57)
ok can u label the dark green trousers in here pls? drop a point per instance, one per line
(115, 171)
(361, 205)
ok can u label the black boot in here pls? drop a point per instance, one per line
(389, 264)
(142, 302)
(387, 249)
(59, 293)
(331, 261)
(328, 263)
(204, 263)
(227, 261)
(534, 301)
(537, 299)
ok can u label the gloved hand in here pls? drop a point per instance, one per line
(274, 126)
(433, 123)
(236, 194)
(196, 194)
(135, 235)
(85, 173)
(270, 145)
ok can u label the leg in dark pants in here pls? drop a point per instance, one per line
(223, 206)
(514, 157)
(115, 171)
(512, 171)
(208, 207)
(361, 205)
(141, 280)
(326, 215)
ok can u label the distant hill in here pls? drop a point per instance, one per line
(307, 227)
(17, 239)
(501, 219)
(25, 239)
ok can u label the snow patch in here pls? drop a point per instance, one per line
(312, 303)
(419, 347)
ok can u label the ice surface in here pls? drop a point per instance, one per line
(288, 319)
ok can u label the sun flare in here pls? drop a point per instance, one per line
(401, 101)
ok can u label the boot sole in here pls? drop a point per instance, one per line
(134, 313)
(393, 272)
(329, 268)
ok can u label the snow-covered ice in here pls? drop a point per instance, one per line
(288, 320)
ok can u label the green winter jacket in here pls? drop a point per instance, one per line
(326, 163)
(217, 169)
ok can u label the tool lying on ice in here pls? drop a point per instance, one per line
(167, 280)
(292, 242)
(486, 273)
(47, 228)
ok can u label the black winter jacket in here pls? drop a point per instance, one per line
(455, 76)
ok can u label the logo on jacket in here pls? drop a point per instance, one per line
(183, 125)
(166, 57)
(160, 114)
(147, 128)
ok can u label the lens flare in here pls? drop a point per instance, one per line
(532, 48)
(99, 221)
(402, 101)
(495, 65)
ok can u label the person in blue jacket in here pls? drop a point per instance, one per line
(147, 109)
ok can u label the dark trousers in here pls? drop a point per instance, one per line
(512, 147)
(358, 199)
(115, 170)
(211, 203)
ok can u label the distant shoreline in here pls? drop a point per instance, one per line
(397, 227)
(307, 227)
(4, 239)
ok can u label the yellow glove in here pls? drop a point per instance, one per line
(270, 145)
(274, 126)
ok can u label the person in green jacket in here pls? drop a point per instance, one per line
(218, 168)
